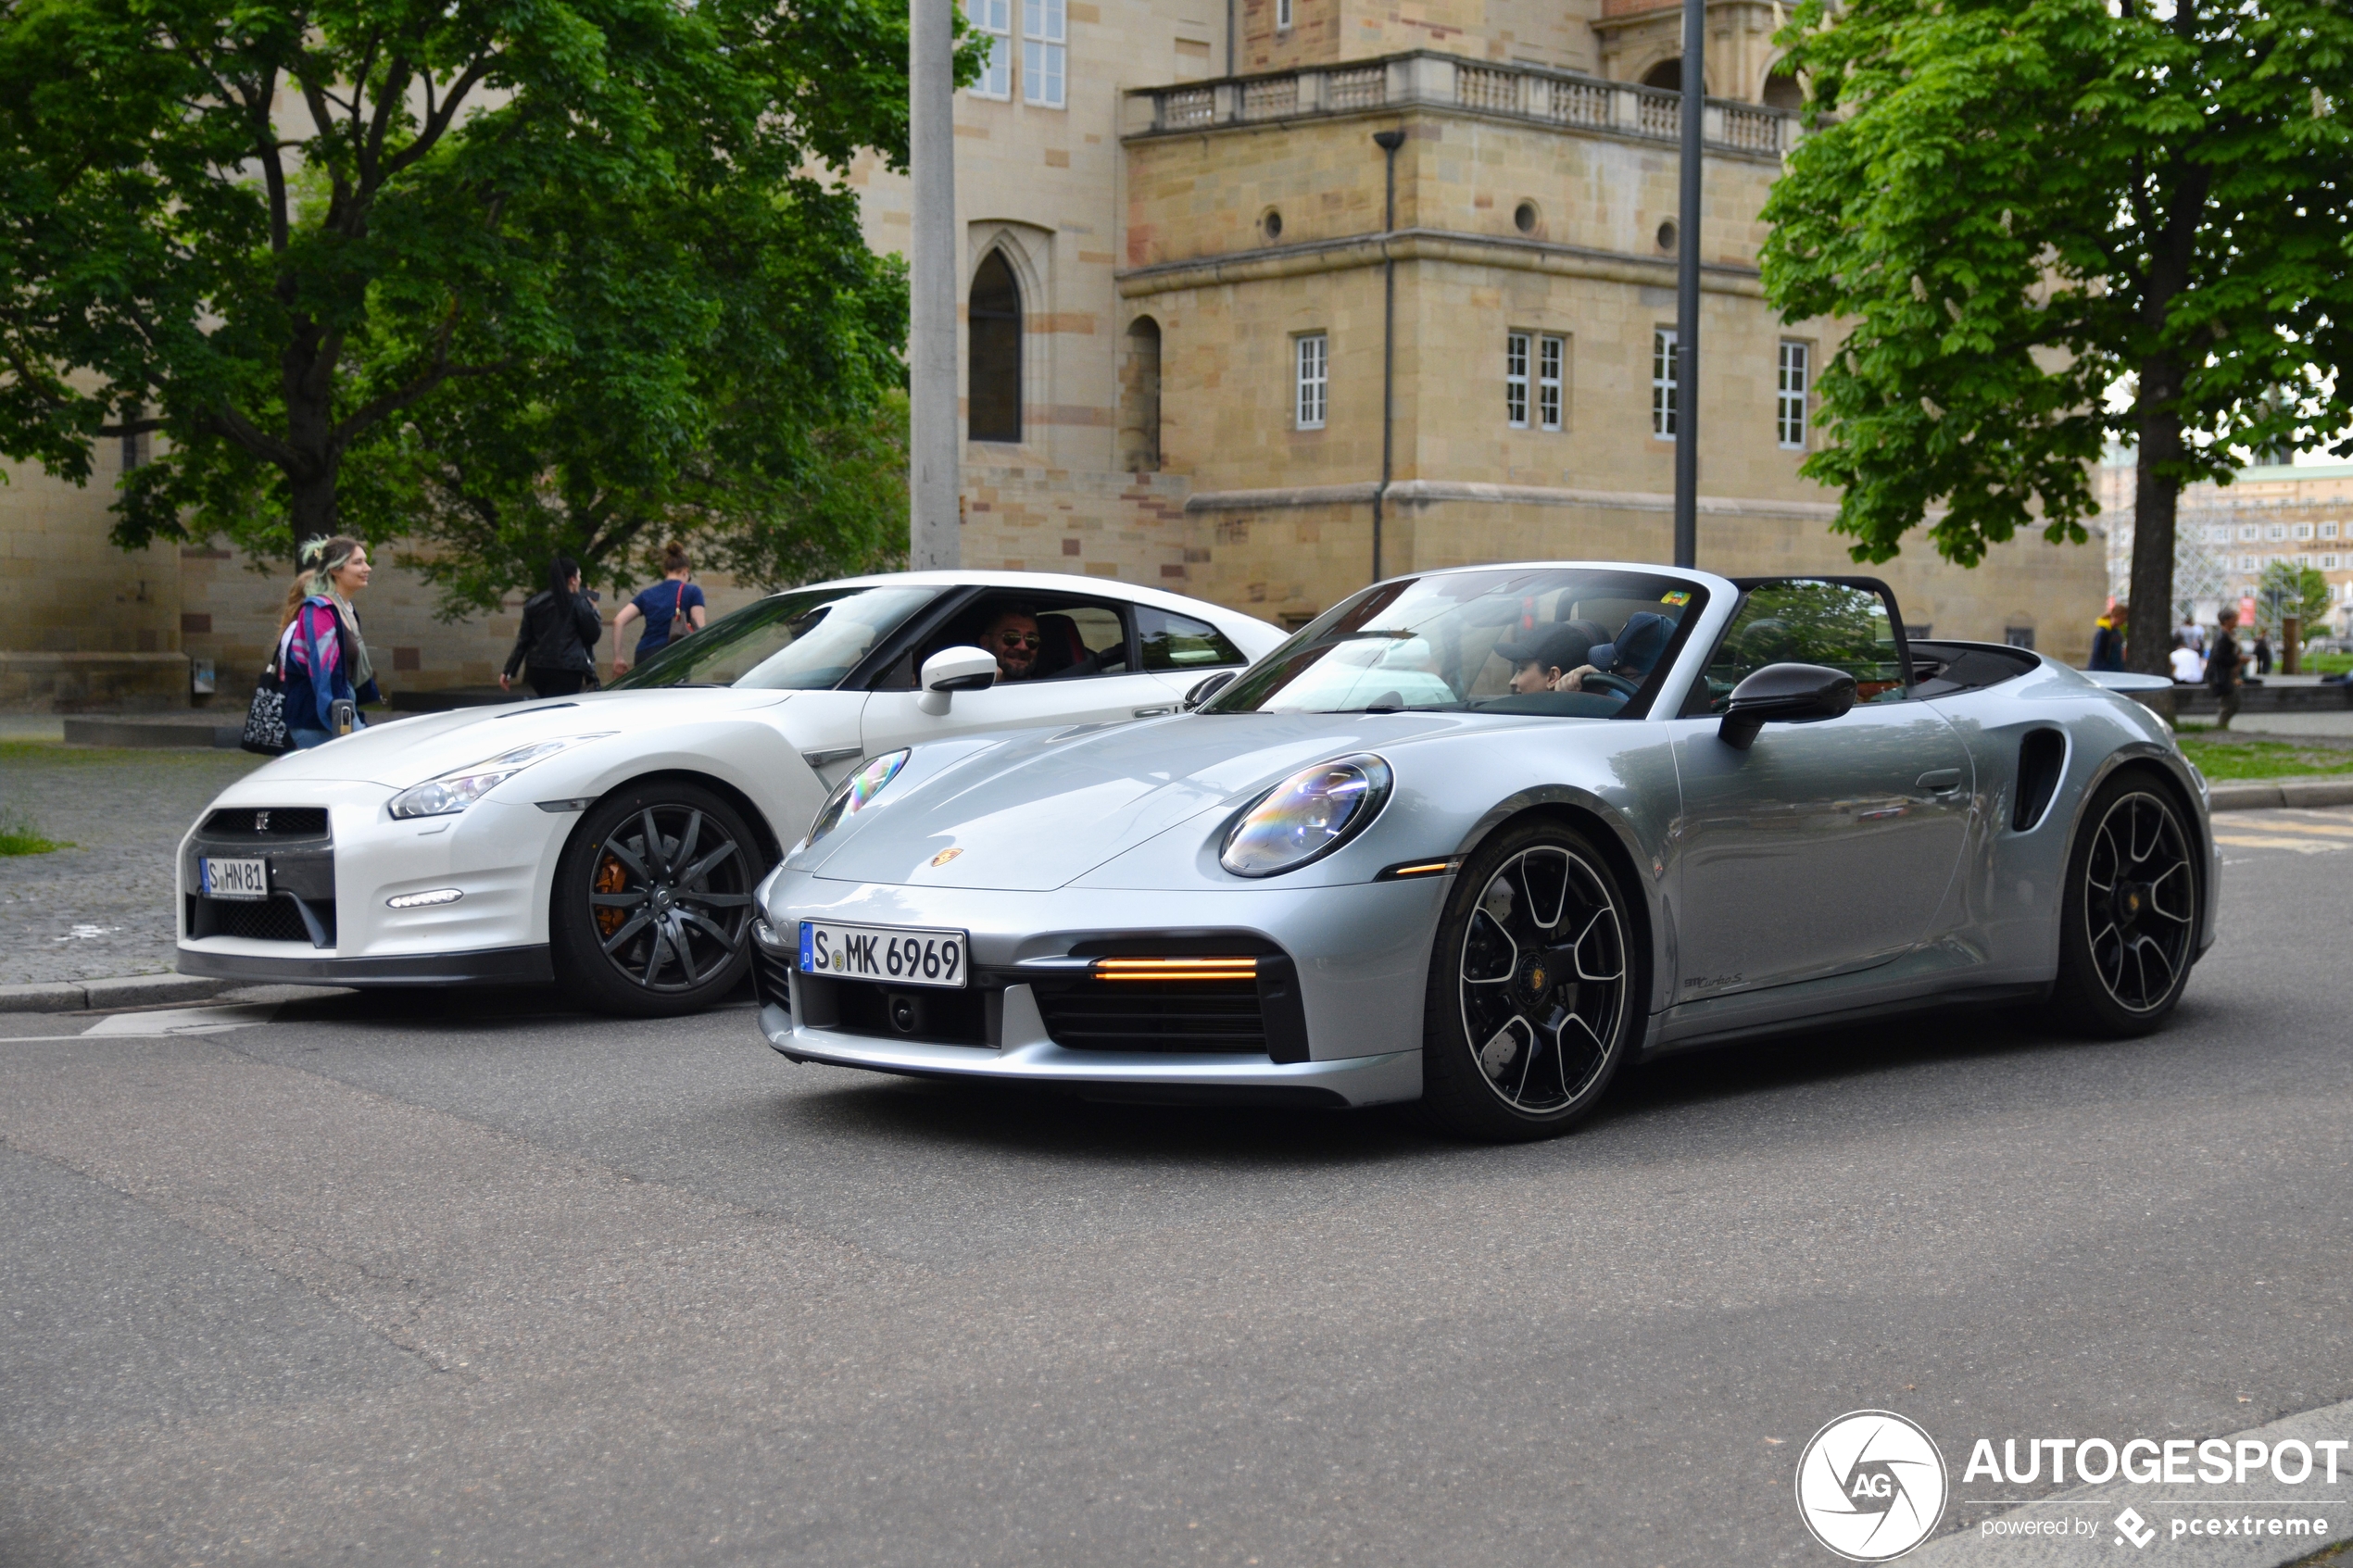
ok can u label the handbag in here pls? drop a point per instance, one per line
(266, 715)
(679, 625)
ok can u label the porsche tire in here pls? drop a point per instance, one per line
(652, 907)
(1534, 997)
(2129, 910)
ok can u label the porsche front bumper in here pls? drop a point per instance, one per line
(1359, 954)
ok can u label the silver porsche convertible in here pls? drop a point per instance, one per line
(1478, 838)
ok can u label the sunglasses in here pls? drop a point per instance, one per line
(1020, 639)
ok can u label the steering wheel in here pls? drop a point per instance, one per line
(1597, 681)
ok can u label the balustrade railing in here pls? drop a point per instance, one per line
(1530, 93)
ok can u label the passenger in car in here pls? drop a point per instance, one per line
(1014, 637)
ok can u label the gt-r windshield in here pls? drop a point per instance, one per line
(807, 640)
(1561, 640)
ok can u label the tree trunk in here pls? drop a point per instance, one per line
(313, 497)
(2156, 495)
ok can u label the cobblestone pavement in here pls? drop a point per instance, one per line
(103, 907)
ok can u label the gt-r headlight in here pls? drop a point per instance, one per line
(457, 790)
(855, 793)
(1306, 817)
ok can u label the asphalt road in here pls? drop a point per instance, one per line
(464, 1280)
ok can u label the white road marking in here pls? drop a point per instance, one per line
(183, 1021)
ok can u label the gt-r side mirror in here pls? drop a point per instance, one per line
(954, 669)
(1784, 694)
(1209, 688)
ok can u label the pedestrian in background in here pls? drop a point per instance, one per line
(2188, 669)
(672, 609)
(2223, 661)
(2107, 637)
(559, 625)
(319, 617)
(2262, 653)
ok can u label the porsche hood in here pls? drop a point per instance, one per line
(408, 751)
(1035, 810)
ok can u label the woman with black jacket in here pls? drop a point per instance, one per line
(558, 628)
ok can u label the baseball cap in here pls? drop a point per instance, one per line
(1639, 644)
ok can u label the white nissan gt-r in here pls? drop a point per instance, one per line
(613, 840)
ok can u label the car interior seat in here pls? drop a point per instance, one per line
(1062, 651)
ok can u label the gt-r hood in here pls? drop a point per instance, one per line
(408, 751)
(1032, 811)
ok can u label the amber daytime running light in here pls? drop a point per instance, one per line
(1176, 969)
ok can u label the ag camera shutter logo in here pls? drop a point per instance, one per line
(1870, 1486)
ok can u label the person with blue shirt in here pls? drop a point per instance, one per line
(671, 609)
(322, 658)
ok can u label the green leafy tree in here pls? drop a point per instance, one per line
(298, 239)
(2021, 204)
(2286, 588)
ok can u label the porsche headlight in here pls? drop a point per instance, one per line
(855, 793)
(455, 791)
(1308, 815)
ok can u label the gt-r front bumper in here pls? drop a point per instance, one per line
(1358, 957)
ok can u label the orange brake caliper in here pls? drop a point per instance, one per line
(611, 877)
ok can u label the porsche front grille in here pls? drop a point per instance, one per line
(1156, 1015)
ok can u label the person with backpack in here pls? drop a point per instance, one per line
(559, 625)
(2107, 638)
(672, 609)
(322, 658)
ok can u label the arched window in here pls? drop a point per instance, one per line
(1139, 399)
(993, 390)
(1781, 91)
(1666, 74)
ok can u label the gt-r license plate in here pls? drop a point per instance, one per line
(235, 879)
(893, 955)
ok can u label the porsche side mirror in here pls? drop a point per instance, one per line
(1209, 688)
(951, 671)
(1784, 694)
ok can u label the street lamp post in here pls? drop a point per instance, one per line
(1695, 71)
(937, 445)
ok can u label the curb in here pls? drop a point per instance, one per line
(119, 991)
(2253, 794)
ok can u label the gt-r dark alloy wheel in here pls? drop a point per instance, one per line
(653, 900)
(2129, 929)
(1531, 1006)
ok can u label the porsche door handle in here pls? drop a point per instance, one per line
(1944, 781)
(1160, 712)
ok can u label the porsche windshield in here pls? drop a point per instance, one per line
(1561, 640)
(807, 640)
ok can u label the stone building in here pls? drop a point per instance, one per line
(2227, 533)
(1186, 292)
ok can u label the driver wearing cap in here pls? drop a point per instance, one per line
(1539, 663)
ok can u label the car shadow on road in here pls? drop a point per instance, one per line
(1990, 1050)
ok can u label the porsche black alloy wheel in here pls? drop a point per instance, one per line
(1531, 996)
(653, 900)
(2130, 915)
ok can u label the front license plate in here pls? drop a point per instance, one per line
(235, 879)
(893, 955)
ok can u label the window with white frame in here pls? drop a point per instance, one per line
(2304, 561)
(1789, 397)
(1282, 16)
(2248, 530)
(2218, 535)
(2304, 531)
(2247, 563)
(1313, 356)
(1043, 30)
(1515, 380)
(1663, 384)
(2328, 563)
(993, 20)
(1551, 357)
(2276, 530)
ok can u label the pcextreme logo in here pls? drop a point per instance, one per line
(1870, 1486)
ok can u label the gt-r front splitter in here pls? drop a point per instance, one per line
(1030, 1057)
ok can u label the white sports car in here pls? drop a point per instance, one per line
(614, 839)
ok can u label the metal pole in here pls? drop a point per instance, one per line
(1389, 142)
(935, 442)
(1686, 287)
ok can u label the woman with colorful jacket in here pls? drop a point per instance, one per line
(321, 657)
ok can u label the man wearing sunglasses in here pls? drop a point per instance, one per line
(1013, 638)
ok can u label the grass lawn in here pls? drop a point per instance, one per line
(2221, 759)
